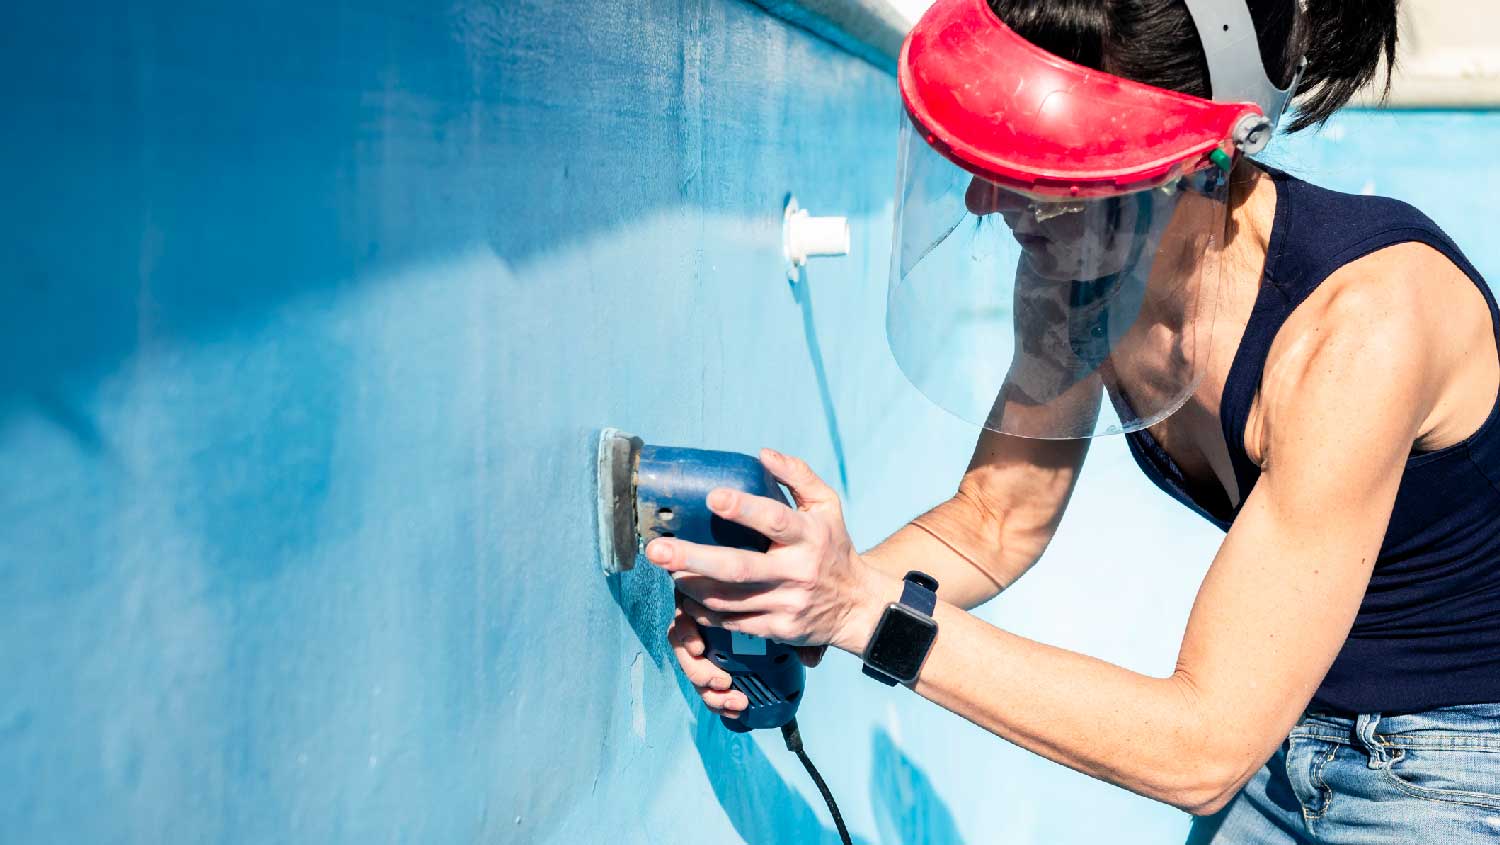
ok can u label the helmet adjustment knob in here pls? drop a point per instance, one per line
(1252, 133)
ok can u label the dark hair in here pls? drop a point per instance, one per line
(1155, 42)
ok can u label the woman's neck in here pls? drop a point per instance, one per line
(1252, 215)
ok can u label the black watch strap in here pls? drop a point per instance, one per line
(918, 592)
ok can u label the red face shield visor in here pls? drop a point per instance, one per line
(1019, 117)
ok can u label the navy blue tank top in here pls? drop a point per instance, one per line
(1428, 630)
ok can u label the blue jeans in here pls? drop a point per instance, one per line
(1412, 779)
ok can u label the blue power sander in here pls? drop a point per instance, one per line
(648, 491)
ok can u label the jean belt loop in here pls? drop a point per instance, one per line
(1364, 731)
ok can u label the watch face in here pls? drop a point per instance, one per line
(901, 642)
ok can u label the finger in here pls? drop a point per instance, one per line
(684, 632)
(725, 598)
(807, 488)
(700, 672)
(771, 518)
(721, 563)
(742, 622)
(730, 703)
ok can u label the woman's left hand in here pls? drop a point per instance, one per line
(809, 588)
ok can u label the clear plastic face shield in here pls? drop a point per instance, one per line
(1060, 231)
(1052, 317)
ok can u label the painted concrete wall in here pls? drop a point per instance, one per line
(309, 313)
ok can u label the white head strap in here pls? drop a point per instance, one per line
(1235, 70)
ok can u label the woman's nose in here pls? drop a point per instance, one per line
(988, 198)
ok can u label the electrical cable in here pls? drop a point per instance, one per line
(793, 739)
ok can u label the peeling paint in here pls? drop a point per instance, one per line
(638, 697)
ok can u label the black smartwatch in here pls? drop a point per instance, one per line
(905, 633)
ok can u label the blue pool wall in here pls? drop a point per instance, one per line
(310, 314)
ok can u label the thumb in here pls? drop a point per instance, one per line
(807, 488)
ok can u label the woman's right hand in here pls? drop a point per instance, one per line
(713, 683)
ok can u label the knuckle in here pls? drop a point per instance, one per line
(792, 597)
(803, 575)
(825, 533)
(755, 626)
(793, 606)
(739, 571)
(815, 538)
(730, 499)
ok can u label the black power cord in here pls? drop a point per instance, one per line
(793, 739)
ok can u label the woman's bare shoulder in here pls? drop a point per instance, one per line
(1412, 307)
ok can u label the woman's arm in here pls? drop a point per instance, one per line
(996, 526)
(977, 543)
(1272, 613)
(1342, 410)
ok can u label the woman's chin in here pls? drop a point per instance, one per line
(1045, 267)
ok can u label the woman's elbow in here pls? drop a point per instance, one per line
(1214, 765)
(1204, 804)
(1209, 787)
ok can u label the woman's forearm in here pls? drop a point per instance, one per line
(1144, 734)
(995, 526)
(968, 550)
(961, 580)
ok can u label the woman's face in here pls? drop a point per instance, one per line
(1064, 241)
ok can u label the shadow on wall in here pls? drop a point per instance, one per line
(763, 807)
(802, 291)
(907, 808)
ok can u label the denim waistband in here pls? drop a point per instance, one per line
(1474, 726)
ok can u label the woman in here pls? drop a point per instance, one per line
(1316, 373)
